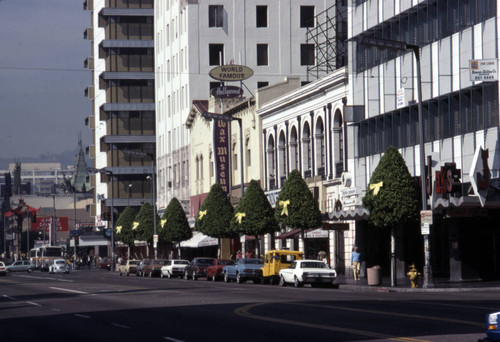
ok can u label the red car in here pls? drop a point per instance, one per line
(214, 272)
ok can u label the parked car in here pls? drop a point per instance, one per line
(314, 272)
(214, 271)
(105, 263)
(3, 269)
(275, 261)
(492, 327)
(154, 268)
(197, 268)
(243, 270)
(129, 267)
(59, 266)
(21, 266)
(140, 267)
(173, 268)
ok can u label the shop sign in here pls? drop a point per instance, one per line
(480, 174)
(221, 149)
(483, 70)
(231, 73)
(46, 223)
(448, 180)
(317, 234)
(226, 92)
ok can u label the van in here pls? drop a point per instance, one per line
(276, 260)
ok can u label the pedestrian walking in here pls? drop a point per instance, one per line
(356, 262)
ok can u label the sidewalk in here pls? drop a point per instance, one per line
(403, 285)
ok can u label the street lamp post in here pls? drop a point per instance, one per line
(402, 46)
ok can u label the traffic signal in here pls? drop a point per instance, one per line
(77, 240)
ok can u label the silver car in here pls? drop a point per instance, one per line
(59, 266)
(21, 266)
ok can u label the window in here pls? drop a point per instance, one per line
(216, 54)
(261, 14)
(215, 16)
(262, 84)
(307, 54)
(306, 16)
(262, 54)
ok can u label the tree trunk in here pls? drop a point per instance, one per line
(257, 247)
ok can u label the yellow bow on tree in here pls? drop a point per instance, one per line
(284, 204)
(135, 225)
(239, 217)
(163, 222)
(118, 229)
(376, 187)
(201, 214)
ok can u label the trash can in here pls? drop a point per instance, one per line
(374, 275)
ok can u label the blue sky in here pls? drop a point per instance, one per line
(42, 78)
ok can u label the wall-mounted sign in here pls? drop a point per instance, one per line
(231, 72)
(221, 149)
(226, 92)
(448, 180)
(480, 174)
(483, 70)
(400, 99)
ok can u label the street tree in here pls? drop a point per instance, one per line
(392, 198)
(254, 214)
(296, 206)
(144, 223)
(123, 229)
(174, 226)
(215, 214)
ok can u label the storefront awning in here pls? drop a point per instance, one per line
(290, 235)
(358, 213)
(199, 240)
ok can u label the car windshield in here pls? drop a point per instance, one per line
(226, 262)
(252, 261)
(159, 262)
(133, 262)
(313, 264)
(181, 262)
(204, 261)
(60, 262)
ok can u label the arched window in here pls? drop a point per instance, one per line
(306, 150)
(319, 138)
(294, 150)
(282, 158)
(338, 144)
(271, 165)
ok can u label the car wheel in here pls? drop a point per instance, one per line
(30, 270)
(194, 275)
(282, 281)
(127, 274)
(186, 275)
(121, 273)
(226, 278)
(238, 278)
(296, 282)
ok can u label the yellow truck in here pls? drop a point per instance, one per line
(275, 261)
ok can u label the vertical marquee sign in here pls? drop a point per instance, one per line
(221, 152)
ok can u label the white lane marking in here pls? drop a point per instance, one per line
(120, 325)
(34, 277)
(11, 298)
(172, 339)
(82, 316)
(33, 303)
(68, 290)
(54, 309)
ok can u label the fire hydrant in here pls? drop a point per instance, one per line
(413, 274)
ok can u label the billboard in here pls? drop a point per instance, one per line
(46, 222)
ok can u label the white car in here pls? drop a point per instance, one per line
(59, 266)
(174, 268)
(314, 272)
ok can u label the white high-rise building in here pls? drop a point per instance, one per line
(192, 37)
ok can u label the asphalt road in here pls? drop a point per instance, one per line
(94, 305)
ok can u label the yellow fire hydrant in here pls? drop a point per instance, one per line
(413, 274)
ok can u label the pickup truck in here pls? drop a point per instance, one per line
(129, 267)
(243, 270)
(214, 272)
(275, 261)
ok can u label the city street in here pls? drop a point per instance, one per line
(95, 305)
